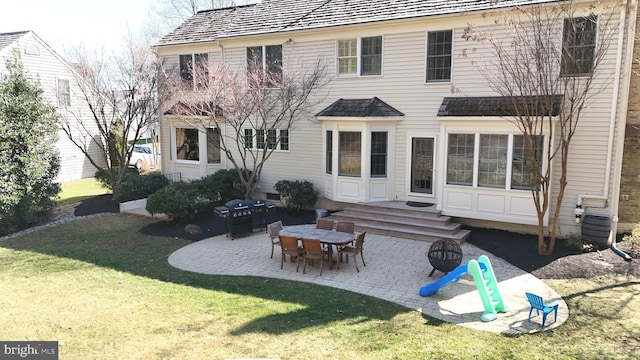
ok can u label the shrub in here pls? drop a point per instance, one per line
(177, 200)
(106, 177)
(297, 195)
(29, 160)
(634, 239)
(220, 187)
(574, 241)
(135, 186)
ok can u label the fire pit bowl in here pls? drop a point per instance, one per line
(444, 255)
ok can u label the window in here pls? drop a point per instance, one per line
(187, 147)
(329, 153)
(492, 160)
(64, 93)
(259, 139)
(349, 149)
(360, 57)
(248, 138)
(284, 139)
(521, 163)
(213, 146)
(493, 163)
(439, 49)
(460, 159)
(194, 70)
(378, 153)
(275, 139)
(578, 45)
(348, 57)
(266, 58)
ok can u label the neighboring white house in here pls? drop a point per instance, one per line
(414, 120)
(58, 83)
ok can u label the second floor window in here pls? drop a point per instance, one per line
(439, 49)
(194, 70)
(64, 92)
(360, 57)
(578, 46)
(266, 58)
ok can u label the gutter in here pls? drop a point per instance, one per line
(633, 8)
(612, 121)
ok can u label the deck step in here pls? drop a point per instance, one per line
(400, 220)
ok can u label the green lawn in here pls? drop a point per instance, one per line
(105, 290)
(80, 190)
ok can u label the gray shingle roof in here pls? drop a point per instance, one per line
(271, 16)
(7, 39)
(360, 108)
(500, 106)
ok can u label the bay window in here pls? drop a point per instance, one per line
(378, 153)
(349, 152)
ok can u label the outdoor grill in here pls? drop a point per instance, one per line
(243, 216)
(259, 209)
(444, 255)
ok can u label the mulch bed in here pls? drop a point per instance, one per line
(517, 249)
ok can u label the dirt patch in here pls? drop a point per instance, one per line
(565, 263)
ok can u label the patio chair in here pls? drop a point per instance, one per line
(313, 250)
(325, 224)
(346, 226)
(289, 247)
(273, 230)
(538, 304)
(353, 251)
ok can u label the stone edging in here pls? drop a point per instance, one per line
(52, 224)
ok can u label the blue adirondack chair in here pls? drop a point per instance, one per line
(538, 304)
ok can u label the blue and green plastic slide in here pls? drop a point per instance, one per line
(486, 283)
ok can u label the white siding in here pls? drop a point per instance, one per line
(47, 67)
(402, 85)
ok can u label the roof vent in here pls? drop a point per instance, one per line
(32, 50)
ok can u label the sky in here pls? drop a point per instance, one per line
(65, 24)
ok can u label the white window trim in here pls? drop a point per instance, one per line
(476, 159)
(254, 137)
(194, 86)
(58, 91)
(264, 55)
(426, 51)
(359, 58)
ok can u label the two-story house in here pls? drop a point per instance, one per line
(58, 82)
(406, 115)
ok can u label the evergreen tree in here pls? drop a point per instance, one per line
(29, 161)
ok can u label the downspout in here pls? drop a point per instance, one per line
(579, 210)
(633, 8)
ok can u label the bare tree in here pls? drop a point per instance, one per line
(545, 67)
(168, 14)
(249, 108)
(120, 93)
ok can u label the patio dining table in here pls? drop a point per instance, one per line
(328, 237)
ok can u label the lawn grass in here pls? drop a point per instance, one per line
(80, 190)
(105, 290)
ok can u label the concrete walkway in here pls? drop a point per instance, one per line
(396, 269)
